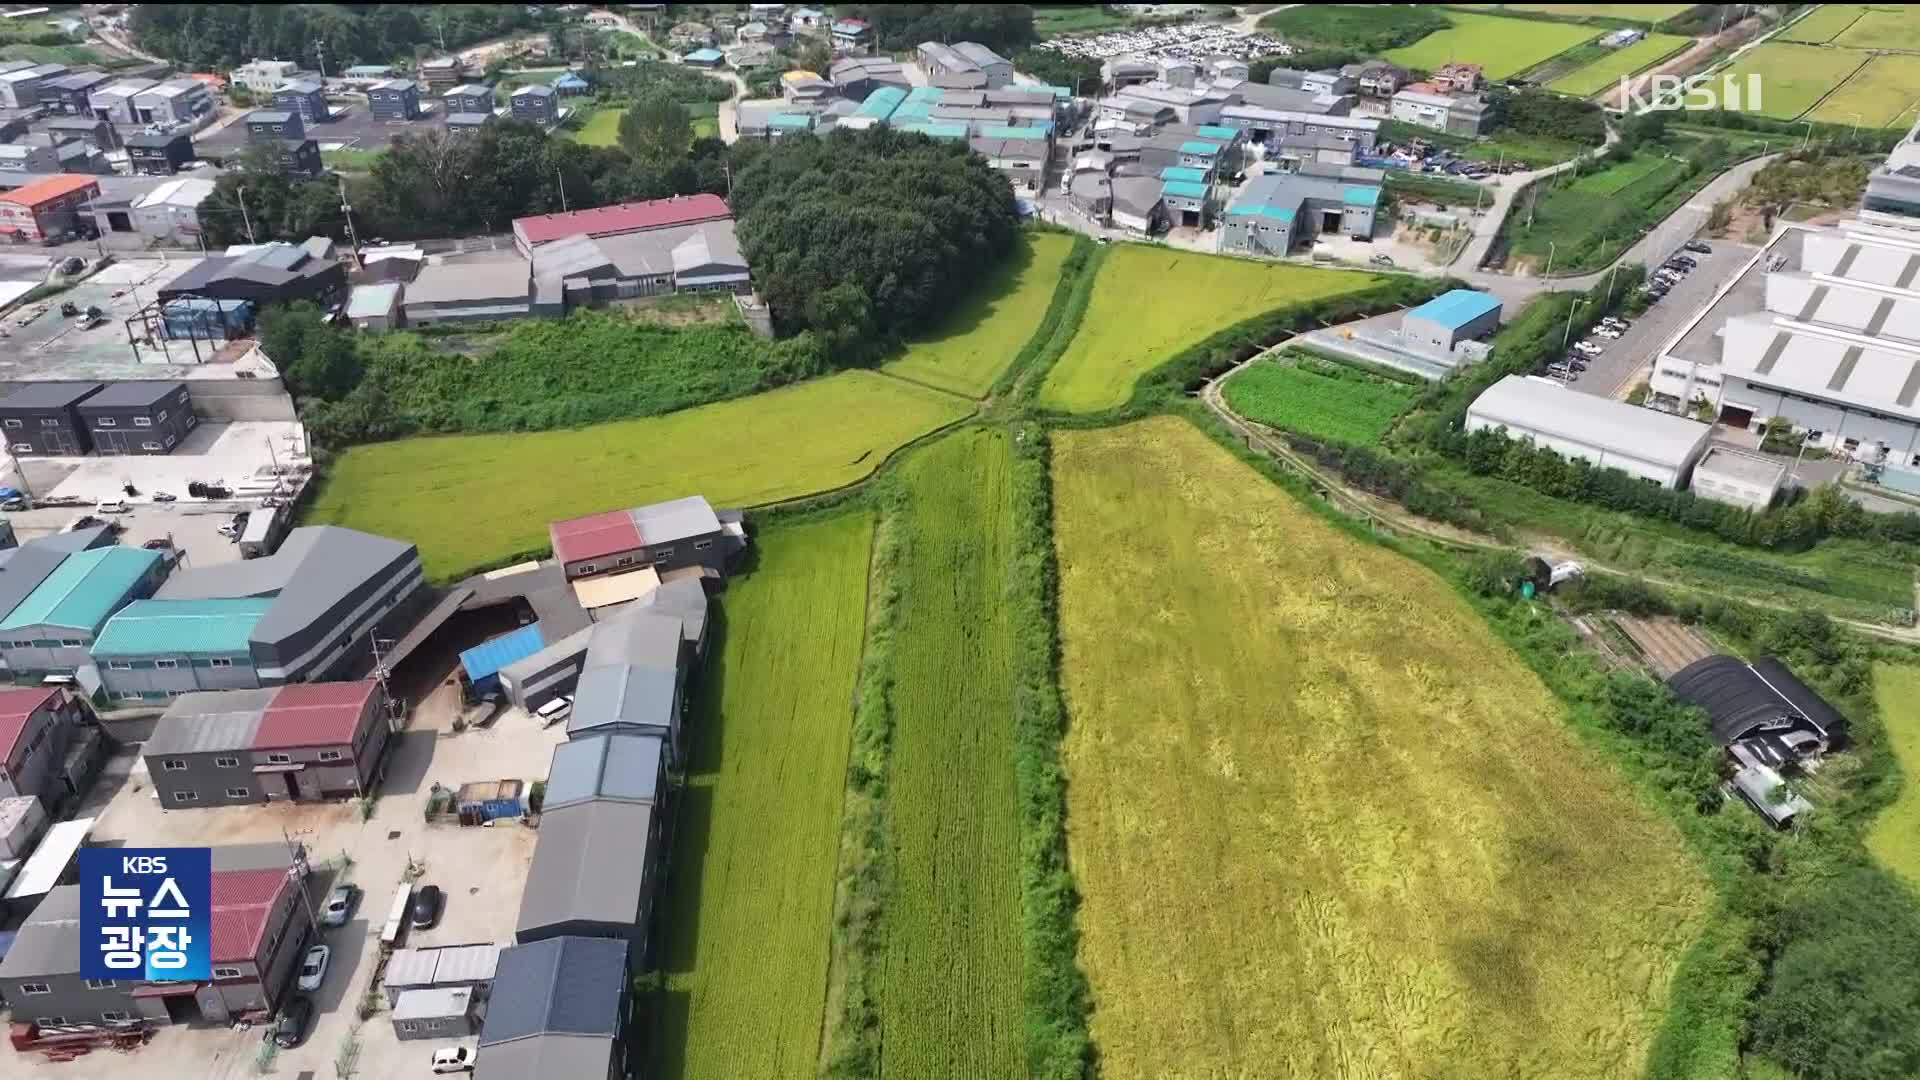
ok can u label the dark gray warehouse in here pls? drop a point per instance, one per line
(394, 99)
(138, 417)
(42, 419)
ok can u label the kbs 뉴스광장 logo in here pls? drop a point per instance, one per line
(146, 913)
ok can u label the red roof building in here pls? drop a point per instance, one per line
(46, 207)
(36, 726)
(243, 906)
(315, 714)
(618, 219)
(595, 536)
(16, 709)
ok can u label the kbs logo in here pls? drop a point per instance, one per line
(1695, 92)
(145, 914)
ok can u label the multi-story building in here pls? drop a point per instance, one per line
(1278, 212)
(666, 536)
(275, 125)
(467, 98)
(145, 417)
(442, 73)
(70, 94)
(394, 99)
(266, 76)
(20, 88)
(308, 97)
(535, 105)
(159, 155)
(299, 742)
(51, 630)
(43, 419)
(1427, 105)
(37, 725)
(175, 102)
(114, 103)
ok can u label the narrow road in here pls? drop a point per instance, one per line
(1509, 189)
(728, 113)
(1663, 239)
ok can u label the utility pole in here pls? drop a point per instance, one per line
(386, 691)
(320, 54)
(241, 194)
(561, 182)
(353, 239)
(298, 872)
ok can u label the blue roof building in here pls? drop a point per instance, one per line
(1450, 318)
(483, 662)
(1456, 308)
(570, 83)
(705, 57)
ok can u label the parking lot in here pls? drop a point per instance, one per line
(481, 870)
(1196, 41)
(38, 342)
(1627, 360)
(351, 127)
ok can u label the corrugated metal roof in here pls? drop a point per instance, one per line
(314, 714)
(16, 707)
(1361, 196)
(1528, 404)
(411, 967)
(466, 963)
(594, 536)
(649, 639)
(373, 301)
(49, 395)
(1215, 131)
(1184, 173)
(1185, 189)
(208, 722)
(86, 588)
(182, 627)
(620, 694)
(620, 767)
(1195, 147)
(787, 121)
(564, 985)
(242, 901)
(486, 659)
(591, 864)
(623, 217)
(1456, 308)
(433, 1003)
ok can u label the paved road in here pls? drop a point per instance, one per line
(1627, 360)
(1680, 226)
(1504, 194)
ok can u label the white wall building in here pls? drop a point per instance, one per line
(1652, 445)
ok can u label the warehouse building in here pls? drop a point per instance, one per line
(488, 290)
(394, 99)
(20, 88)
(1746, 480)
(298, 743)
(43, 419)
(302, 614)
(138, 417)
(159, 155)
(1645, 443)
(1822, 329)
(275, 273)
(594, 867)
(620, 219)
(114, 103)
(666, 536)
(1449, 319)
(174, 102)
(37, 725)
(967, 65)
(46, 208)
(582, 271)
(558, 1008)
(71, 94)
(1275, 213)
(481, 664)
(51, 631)
(93, 132)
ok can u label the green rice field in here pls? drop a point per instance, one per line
(1323, 822)
(1881, 94)
(782, 444)
(1192, 296)
(1824, 24)
(1641, 13)
(1616, 178)
(1320, 398)
(1883, 28)
(980, 339)
(951, 987)
(1895, 837)
(1794, 77)
(748, 907)
(1502, 47)
(1606, 74)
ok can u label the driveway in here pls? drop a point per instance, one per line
(1628, 359)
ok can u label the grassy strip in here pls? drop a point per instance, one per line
(1057, 1002)
(1435, 188)
(1028, 373)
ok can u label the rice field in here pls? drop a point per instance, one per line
(1151, 302)
(1641, 13)
(1895, 837)
(951, 989)
(1824, 24)
(1319, 398)
(1605, 74)
(475, 501)
(980, 339)
(1883, 28)
(1322, 821)
(1502, 47)
(1794, 77)
(747, 908)
(1880, 94)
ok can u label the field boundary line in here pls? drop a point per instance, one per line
(925, 386)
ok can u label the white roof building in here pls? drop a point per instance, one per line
(1611, 434)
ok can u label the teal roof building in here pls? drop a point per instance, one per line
(214, 627)
(86, 589)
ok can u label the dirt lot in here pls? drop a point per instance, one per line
(480, 869)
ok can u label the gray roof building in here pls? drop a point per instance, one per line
(592, 873)
(643, 639)
(623, 697)
(208, 721)
(469, 291)
(556, 1011)
(620, 768)
(1642, 442)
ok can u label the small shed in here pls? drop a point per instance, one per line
(485, 800)
(706, 58)
(572, 84)
(1745, 480)
(1450, 318)
(483, 662)
(375, 307)
(436, 1013)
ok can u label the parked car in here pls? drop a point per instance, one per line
(163, 497)
(425, 909)
(1607, 332)
(339, 906)
(313, 967)
(554, 711)
(1700, 246)
(158, 543)
(290, 1027)
(1380, 260)
(452, 1059)
(115, 506)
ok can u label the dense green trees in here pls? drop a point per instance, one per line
(1371, 30)
(276, 207)
(656, 130)
(1546, 115)
(1005, 28)
(1078, 73)
(870, 236)
(201, 36)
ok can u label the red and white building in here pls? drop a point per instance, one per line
(46, 207)
(620, 219)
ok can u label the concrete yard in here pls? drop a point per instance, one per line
(239, 455)
(352, 127)
(37, 342)
(1629, 359)
(481, 869)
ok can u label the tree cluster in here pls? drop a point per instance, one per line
(1371, 30)
(868, 237)
(221, 36)
(1004, 28)
(1546, 115)
(678, 81)
(1059, 69)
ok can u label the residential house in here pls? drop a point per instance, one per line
(949, 69)
(458, 123)
(690, 35)
(37, 724)
(1458, 78)
(558, 1008)
(804, 87)
(858, 77)
(43, 419)
(467, 98)
(266, 76)
(584, 271)
(307, 97)
(300, 742)
(851, 36)
(807, 20)
(51, 631)
(535, 105)
(393, 99)
(302, 614)
(275, 125)
(1377, 79)
(146, 417)
(114, 103)
(705, 58)
(150, 154)
(443, 73)
(571, 84)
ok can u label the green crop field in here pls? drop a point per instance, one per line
(1880, 28)
(748, 907)
(474, 501)
(1502, 47)
(951, 991)
(1617, 178)
(1605, 74)
(1316, 397)
(1150, 302)
(1323, 822)
(1794, 77)
(1826, 23)
(1640, 13)
(1895, 838)
(1881, 94)
(980, 339)
(601, 129)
